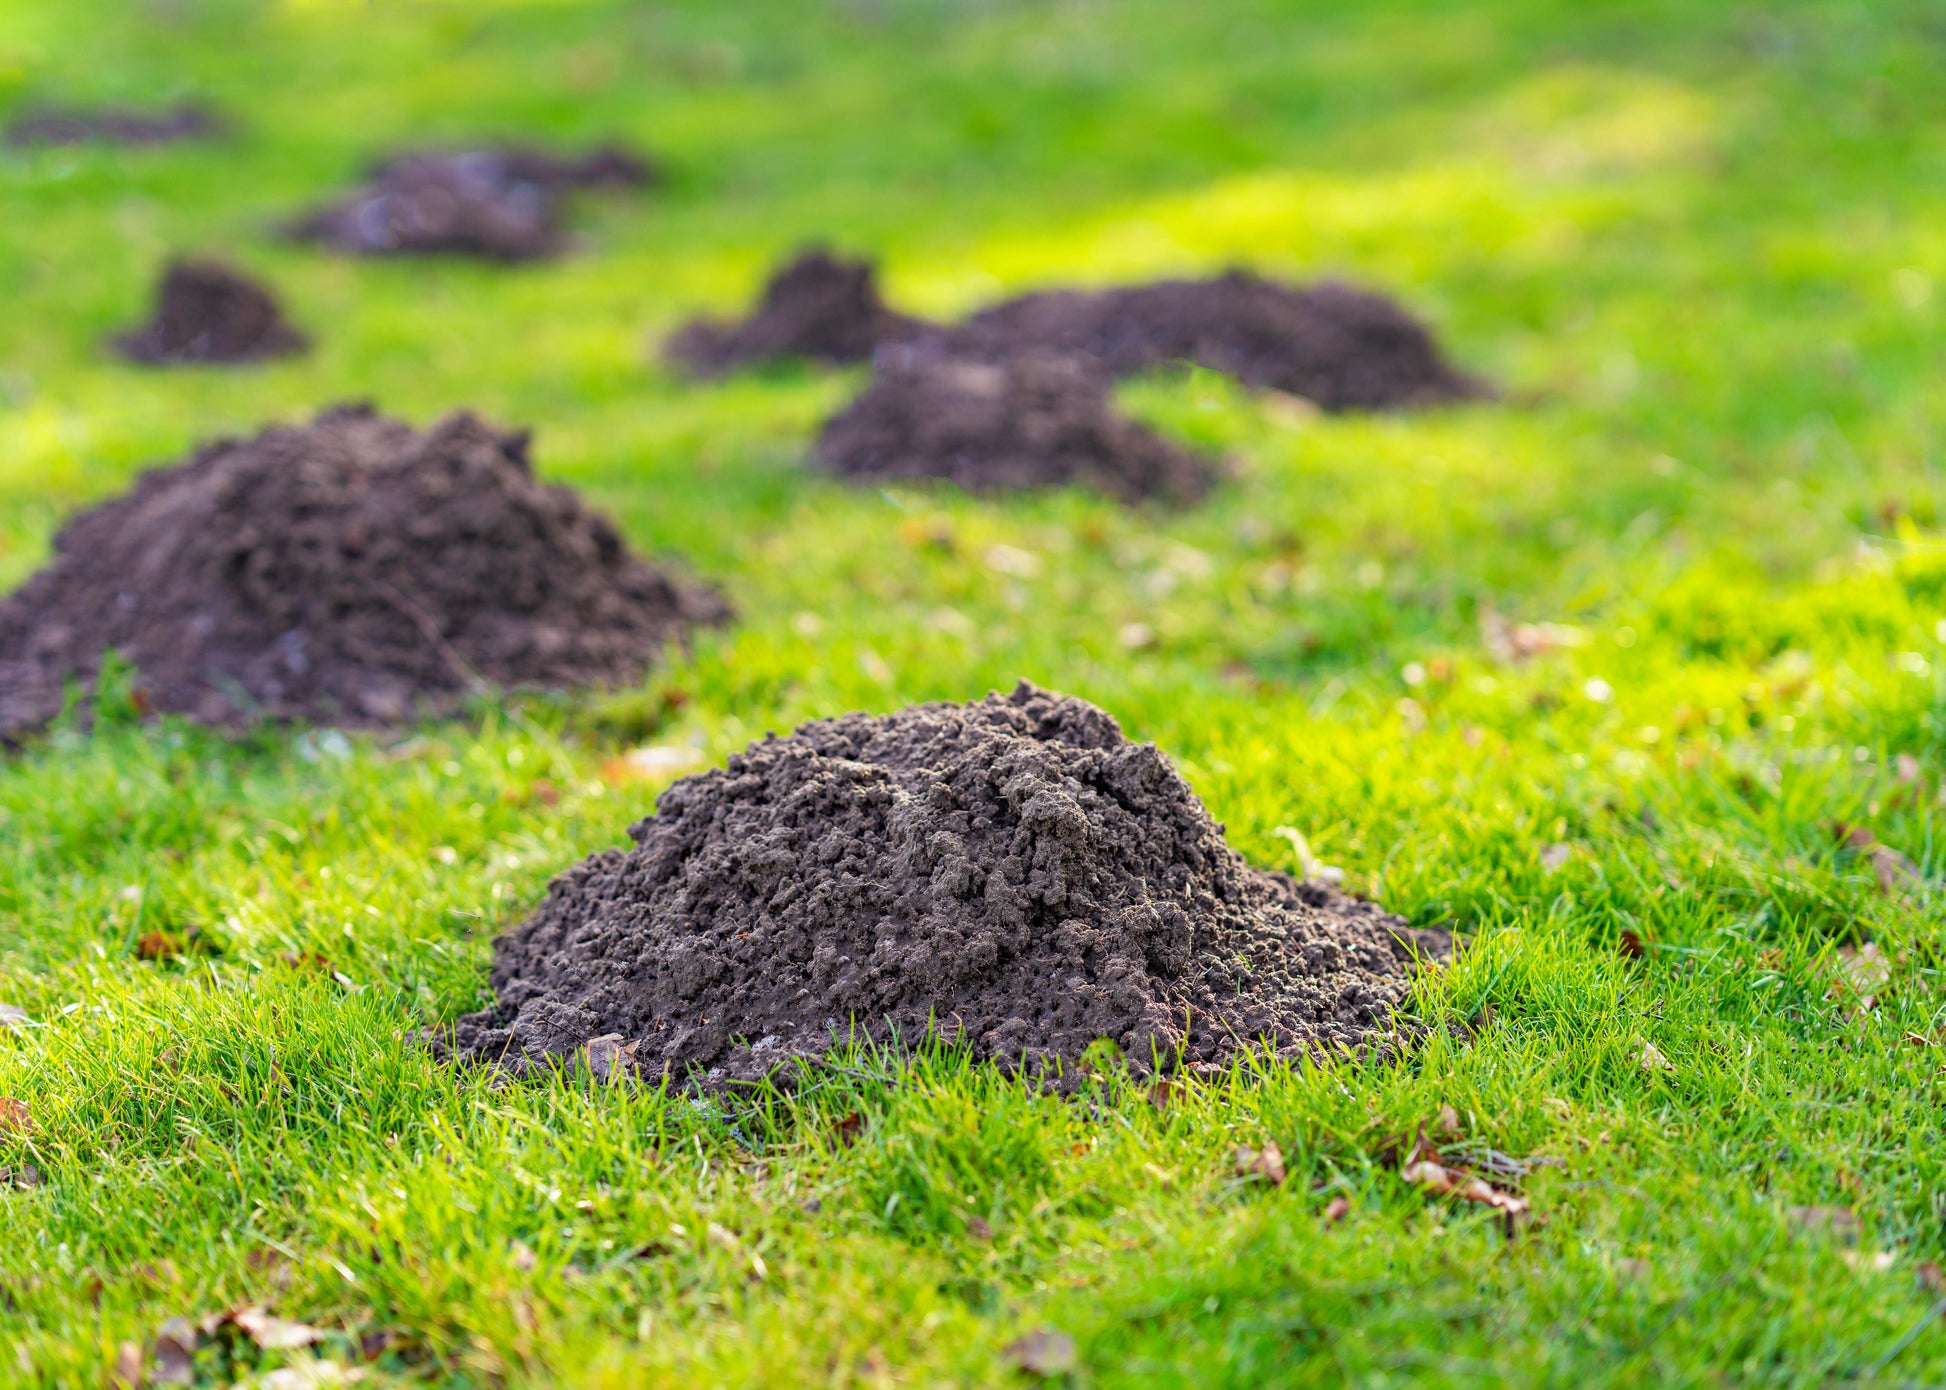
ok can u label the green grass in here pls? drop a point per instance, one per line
(1703, 248)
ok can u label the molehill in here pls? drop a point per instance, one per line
(345, 571)
(1013, 874)
(1339, 347)
(111, 125)
(817, 307)
(1035, 419)
(501, 203)
(208, 312)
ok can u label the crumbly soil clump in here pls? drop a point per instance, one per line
(111, 125)
(501, 203)
(1339, 347)
(1012, 874)
(348, 571)
(1037, 419)
(818, 307)
(208, 312)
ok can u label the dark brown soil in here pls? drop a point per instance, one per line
(1037, 419)
(111, 125)
(605, 166)
(344, 571)
(1342, 348)
(1012, 873)
(498, 203)
(208, 312)
(817, 307)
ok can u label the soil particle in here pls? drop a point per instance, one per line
(817, 307)
(1037, 419)
(207, 312)
(344, 571)
(1013, 872)
(111, 125)
(1340, 347)
(498, 203)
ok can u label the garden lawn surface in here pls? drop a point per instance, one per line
(1634, 679)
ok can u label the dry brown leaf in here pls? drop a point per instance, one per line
(1044, 1352)
(155, 1273)
(1931, 1278)
(1448, 1122)
(1651, 1058)
(1267, 1162)
(655, 763)
(611, 1059)
(16, 1120)
(522, 1254)
(175, 1353)
(1838, 1222)
(1509, 643)
(1863, 974)
(1892, 869)
(272, 1333)
(1630, 945)
(1442, 1181)
(1162, 1091)
(848, 1129)
(979, 1228)
(1336, 1210)
(158, 945)
(127, 1372)
(1555, 855)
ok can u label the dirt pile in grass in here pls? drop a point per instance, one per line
(499, 203)
(1037, 419)
(817, 307)
(207, 312)
(344, 571)
(111, 125)
(1013, 872)
(1340, 347)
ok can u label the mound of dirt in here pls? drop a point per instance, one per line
(605, 166)
(111, 125)
(817, 307)
(1036, 419)
(1342, 348)
(502, 204)
(1014, 873)
(208, 312)
(342, 571)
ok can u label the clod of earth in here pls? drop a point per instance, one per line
(111, 125)
(498, 203)
(1340, 347)
(817, 307)
(208, 312)
(1013, 875)
(343, 571)
(1035, 420)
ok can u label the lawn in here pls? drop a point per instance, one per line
(1635, 679)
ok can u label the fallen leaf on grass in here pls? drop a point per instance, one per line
(175, 1353)
(1267, 1162)
(1442, 1181)
(1931, 1278)
(1044, 1352)
(1509, 643)
(1651, 1058)
(523, 1255)
(1555, 855)
(156, 1274)
(1631, 945)
(157, 945)
(1162, 1091)
(309, 1375)
(26, 1177)
(1336, 1210)
(15, 1119)
(1863, 1260)
(126, 1373)
(1863, 974)
(1448, 1122)
(1839, 1222)
(260, 1326)
(650, 764)
(1892, 869)
(979, 1228)
(13, 1016)
(847, 1129)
